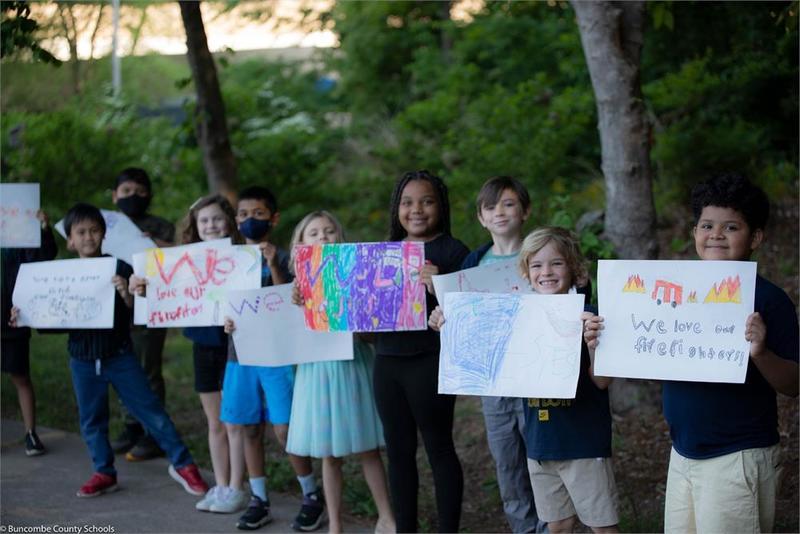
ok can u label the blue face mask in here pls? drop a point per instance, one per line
(255, 228)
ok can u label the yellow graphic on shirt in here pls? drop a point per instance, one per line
(544, 415)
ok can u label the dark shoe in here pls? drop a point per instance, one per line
(98, 484)
(311, 513)
(256, 516)
(127, 438)
(33, 445)
(145, 449)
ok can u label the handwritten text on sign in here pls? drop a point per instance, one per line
(271, 331)
(362, 287)
(19, 227)
(66, 293)
(675, 320)
(186, 285)
(511, 345)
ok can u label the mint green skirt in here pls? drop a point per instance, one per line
(333, 407)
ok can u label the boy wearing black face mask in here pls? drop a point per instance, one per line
(245, 387)
(132, 195)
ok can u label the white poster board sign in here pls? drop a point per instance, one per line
(66, 293)
(271, 331)
(187, 285)
(511, 345)
(499, 277)
(675, 320)
(123, 238)
(19, 227)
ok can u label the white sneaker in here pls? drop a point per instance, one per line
(204, 504)
(230, 500)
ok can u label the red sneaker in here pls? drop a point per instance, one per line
(189, 477)
(98, 484)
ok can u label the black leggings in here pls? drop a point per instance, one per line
(406, 397)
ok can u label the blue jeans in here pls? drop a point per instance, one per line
(124, 372)
(505, 431)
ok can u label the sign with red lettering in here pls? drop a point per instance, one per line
(19, 227)
(188, 285)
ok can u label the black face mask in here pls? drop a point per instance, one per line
(133, 205)
(255, 229)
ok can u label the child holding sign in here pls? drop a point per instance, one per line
(503, 207)
(407, 364)
(568, 440)
(247, 387)
(209, 218)
(725, 436)
(16, 341)
(99, 357)
(334, 413)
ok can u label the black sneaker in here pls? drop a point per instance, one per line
(127, 438)
(256, 516)
(33, 445)
(311, 513)
(145, 449)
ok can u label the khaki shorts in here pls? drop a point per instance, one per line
(730, 493)
(584, 487)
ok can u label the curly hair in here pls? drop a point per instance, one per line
(567, 244)
(189, 232)
(396, 230)
(735, 191)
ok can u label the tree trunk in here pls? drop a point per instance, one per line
(210, 126)
(612, 36)
(71, 35)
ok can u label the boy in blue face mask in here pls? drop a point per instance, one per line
(132, 194)
(245, 387)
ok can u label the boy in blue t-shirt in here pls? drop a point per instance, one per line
(247, 387)
(103, 357)
(725, 464)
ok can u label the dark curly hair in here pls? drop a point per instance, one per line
(735, 191)
(396, 230)
(189, 233)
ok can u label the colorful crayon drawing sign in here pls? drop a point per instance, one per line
(187, 285)
(362, 287)
(675, 320)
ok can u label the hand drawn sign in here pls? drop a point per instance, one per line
(123, 238)
(652, 331)
(362, 287)
(499, 277)
(66, 293)
(511, 345)
(187, 285)
(19, 227)
(271, 331)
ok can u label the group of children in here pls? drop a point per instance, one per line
(553, 457)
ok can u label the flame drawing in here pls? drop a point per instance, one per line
(634, 285)
(729, 290)
(692, 297)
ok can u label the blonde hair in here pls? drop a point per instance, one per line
(567, 244)
(297, 234)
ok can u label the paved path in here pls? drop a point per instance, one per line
(40, 492)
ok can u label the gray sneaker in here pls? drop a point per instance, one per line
(229, 500)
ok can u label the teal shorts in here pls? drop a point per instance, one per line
(252, 394)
